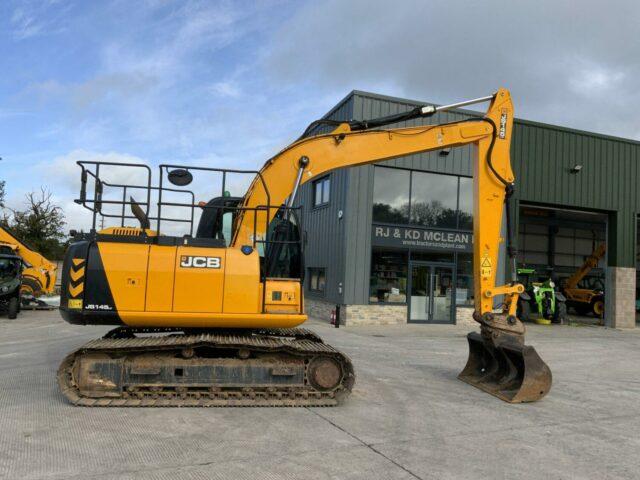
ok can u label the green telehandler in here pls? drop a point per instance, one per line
(542, 298)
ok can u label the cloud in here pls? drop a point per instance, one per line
(63, 178)
(565, 63)
(165, 87)
(226, 89)
(25, 24)
(32, 18)
(592, 79)
(11, 112)
(230, 84)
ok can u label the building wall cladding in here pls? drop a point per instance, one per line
(543, 157)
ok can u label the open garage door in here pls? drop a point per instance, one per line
(564, 250)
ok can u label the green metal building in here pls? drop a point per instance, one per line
(574, 190)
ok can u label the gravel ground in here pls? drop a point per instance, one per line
(408, 417)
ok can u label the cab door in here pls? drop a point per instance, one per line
(199, 279)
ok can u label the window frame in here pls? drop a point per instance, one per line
(310, 286)
(322, 182)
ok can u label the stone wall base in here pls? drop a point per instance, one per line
(318, 309)
(464, 316)
(373, 314)
(620, 298)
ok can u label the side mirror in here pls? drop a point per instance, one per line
(180, 177)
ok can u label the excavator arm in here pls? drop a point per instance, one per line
(312, 157)
(499, 362)
(39, 274)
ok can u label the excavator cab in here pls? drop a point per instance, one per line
(218, 216)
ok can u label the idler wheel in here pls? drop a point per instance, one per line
(324, 373)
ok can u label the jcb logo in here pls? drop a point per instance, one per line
(199, 262)
(502, 132)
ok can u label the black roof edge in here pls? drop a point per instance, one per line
(338, 105)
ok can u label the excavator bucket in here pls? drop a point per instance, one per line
(506, 368)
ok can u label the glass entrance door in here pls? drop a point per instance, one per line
(441, 294)
(431, 292)
(420, 293)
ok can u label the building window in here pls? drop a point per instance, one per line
(321, 190)
(388, 283)
(317, 280)
(464, 280)
(391, 195)
(422, 198)
(434, 199)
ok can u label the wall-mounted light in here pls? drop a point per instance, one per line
(576, 169)
(444, 152)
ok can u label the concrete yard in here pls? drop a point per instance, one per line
(408, 417)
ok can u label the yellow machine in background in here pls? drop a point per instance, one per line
(38, 274)
(586, 300)
(232, 293)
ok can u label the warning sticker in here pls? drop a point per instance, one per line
(485, 266)
(75, 303)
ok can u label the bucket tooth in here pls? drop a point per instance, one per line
(506, 368)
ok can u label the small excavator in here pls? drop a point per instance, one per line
(211, 319)
(38, 273)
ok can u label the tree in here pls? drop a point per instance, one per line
(433, 214)
(383, 212)
(39, 225)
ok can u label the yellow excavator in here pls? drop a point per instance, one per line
(210, 319)
(38, 274)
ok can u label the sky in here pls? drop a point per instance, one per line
(230, 83)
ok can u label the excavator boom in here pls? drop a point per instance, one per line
(149, 282)
(589, 264)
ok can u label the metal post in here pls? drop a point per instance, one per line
(303, 162)
(159, 200)
(95, 194)
(224, 183)
(124, 204)
(337, 322)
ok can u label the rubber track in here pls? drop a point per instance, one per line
(299, 342)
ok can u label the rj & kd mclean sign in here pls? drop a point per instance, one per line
(421, 238)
